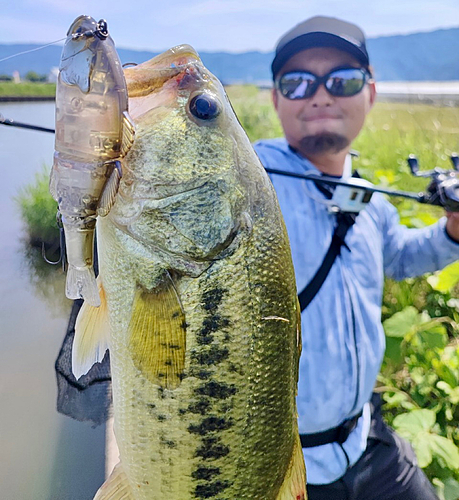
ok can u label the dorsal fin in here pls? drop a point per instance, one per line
(158, 334)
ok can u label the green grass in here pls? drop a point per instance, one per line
(392, 130)
(27, 89)
(38, 211)
(391, 133)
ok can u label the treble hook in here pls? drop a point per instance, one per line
(62, 253)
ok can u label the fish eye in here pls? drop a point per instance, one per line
(204, 107)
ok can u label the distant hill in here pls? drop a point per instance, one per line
(430, 56)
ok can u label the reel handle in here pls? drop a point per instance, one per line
(413, 164)
(455, 161)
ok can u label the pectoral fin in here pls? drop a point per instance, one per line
(116, 487)
(158, 335)
(91, 335)
(294, 485)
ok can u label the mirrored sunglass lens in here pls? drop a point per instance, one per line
(346, 82)
(297, 85)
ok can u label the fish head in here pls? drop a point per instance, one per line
(185, 124)
(184, 187)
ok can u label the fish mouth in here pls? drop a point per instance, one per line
(181, 63)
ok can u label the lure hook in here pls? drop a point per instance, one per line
(52, 262)
(62, 252)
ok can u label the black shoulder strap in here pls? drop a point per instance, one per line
(344, 222)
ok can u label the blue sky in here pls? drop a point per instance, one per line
(212, 25)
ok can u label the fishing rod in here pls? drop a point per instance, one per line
(13, 123)
(354, 193)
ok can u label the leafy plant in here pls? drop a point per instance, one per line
(38, 211)
(419, 380)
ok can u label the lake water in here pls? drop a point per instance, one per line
(43, 455)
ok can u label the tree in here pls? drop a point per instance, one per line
(32, 76)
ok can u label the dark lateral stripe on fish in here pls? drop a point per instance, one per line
(217, 390)
(212, 322)
(210, 325)
(211, 299)
(210, 424)
(199, 407)
(212, 448)
(210, 356)
(210, 490)
(205, 473)
(201, 374)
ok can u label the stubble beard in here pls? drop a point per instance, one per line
(326, 142)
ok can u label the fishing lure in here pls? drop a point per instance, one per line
(93, 133)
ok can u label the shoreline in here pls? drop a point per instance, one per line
(19, 98)
(401, 92)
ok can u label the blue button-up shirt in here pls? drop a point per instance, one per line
(342, 334)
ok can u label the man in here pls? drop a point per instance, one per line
(323, 90)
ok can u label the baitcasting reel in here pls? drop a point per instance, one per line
(353, 194)
(443, 189)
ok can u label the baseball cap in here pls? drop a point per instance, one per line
(321, 31)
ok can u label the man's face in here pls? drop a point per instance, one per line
(338, 120)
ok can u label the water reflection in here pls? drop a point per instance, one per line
(43, 454)
(47, 281)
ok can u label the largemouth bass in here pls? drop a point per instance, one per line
(198, 289)
(93, 132)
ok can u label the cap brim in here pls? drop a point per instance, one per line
(317, 39)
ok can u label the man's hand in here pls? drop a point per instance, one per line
(452, 225)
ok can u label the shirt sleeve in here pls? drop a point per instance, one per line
(413, 252)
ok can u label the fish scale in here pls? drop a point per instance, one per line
(201, 300)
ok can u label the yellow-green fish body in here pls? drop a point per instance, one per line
(198, 284)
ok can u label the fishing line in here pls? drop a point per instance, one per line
(32, 50)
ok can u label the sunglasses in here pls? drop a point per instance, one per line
(339, 82)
